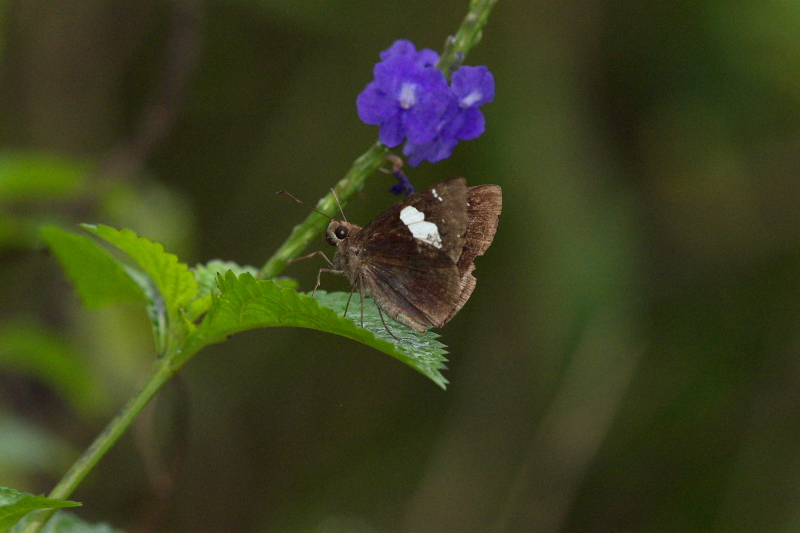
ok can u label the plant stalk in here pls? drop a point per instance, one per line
(162, 371)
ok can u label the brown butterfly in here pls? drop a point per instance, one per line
(416, 258)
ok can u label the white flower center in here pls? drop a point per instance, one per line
(408, 95)
(470, 99)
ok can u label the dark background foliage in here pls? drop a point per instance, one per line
(628, 361)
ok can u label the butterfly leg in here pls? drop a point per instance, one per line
(361, 293)
(380, 314)
(346, 307)
(356, 283)
(309, 256)
(325, 257)
(321, 270)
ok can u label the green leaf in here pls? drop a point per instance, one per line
(28, 348)
(286, 282)
(175, 283)
(30, 176)
(66, 522)
(245, 303)
(206, 275)
(15, 504)
(417, 350)
(98, 278)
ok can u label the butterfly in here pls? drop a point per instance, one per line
(416, 258)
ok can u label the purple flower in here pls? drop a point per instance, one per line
(405, 100)
(411, 101)
(403, 186)
(471, 88)
(402, 47)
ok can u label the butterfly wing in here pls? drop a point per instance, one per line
(484, 204)
(409, 256)
(414, 282)
(437, 216)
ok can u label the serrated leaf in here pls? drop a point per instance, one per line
(245, 303)
(66, 522)
(424, 348)
(174, 281)
(286, 282)
(15, 504)
(206, 275)
(174, 284)
(98, 278)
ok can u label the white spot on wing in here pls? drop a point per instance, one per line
(435, 195)
(420, 229)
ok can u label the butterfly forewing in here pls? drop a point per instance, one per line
(436, 215)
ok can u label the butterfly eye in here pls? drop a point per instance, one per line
(341, 232)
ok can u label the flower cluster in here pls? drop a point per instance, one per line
(410, 100)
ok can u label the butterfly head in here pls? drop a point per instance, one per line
(339, 231)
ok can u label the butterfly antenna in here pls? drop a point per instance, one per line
(339, 204)
(306, 205)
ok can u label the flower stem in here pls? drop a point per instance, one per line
(161, 372)
(468, 35)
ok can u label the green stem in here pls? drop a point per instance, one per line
(468, 35)
(455, 51)
(162, 371)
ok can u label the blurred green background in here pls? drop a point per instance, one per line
(629, 361)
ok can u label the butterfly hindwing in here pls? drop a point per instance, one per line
(414, 282)
(484, 203)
